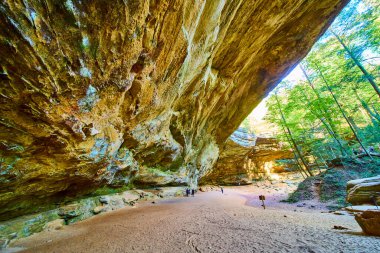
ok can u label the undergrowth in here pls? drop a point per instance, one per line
(333, 182)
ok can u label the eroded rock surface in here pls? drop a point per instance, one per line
(231, 167)
(79, 210)
(364, 191)
(92, 92)
(369, 221)
(245, 157)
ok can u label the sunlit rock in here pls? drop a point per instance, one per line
(93, 92)
(245, 157)
(369, 221)
(364, 191)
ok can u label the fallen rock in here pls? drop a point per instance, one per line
(54, 225)
(364, 191)
(130, 203)
(104, 200)
(69, 211)
(361, 208)
(13, 235)
(208, 188)
(3, 243)
(369, 221)
(129, 197)
(339, 227)
(98, 209)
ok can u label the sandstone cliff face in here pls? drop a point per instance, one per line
(231, 167)
(245, 157)
(364, 191)
(92, 92)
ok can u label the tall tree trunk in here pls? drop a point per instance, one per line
(342, 111)
(373, 116)
(328, 125)
(358, 64)
(291, 138)
(322, 159)
(298, 165)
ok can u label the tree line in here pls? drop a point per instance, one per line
(333, 112)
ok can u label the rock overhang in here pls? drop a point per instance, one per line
(94, 92)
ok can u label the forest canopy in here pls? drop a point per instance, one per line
(333, 112)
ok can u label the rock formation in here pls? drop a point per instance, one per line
(369, 221)
(78, 210)
(231, 167)
(364, 191)
(245, 157)
(93, 92)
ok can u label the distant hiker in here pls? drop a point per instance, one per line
(262, 198)
(187, 192)
(221, 189)
(192, 192)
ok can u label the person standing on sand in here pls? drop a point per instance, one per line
(187, 192)
(192, 192)
(221, 189)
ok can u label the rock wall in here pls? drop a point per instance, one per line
(245, 157)
(93, 92)
(364, 191)
(80, 210)
(262, 158)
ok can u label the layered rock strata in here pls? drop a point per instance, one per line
(231, 167)
(245, 157)
(364, 191)
(93, 92)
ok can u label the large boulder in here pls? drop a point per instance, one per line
(364, 191)
(369, 221)
(93, 91)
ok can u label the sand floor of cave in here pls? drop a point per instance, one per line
(209, 222)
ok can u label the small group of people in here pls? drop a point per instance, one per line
(188, 191)
(369, 149)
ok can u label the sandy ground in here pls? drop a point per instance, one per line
(210, 222)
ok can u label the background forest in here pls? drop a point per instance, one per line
(331, 117)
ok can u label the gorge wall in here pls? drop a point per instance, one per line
(96, 93)
(245, 157)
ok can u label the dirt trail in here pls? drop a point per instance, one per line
(209, 222)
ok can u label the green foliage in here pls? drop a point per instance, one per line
(106, 190)
(335, 110)
(333, 182)
(304, 191)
